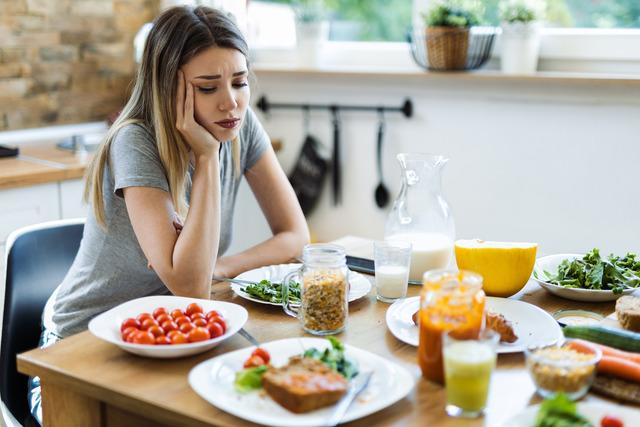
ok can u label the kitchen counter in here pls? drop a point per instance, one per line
(43, 162)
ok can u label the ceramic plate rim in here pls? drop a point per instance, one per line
(531, 411)
(237, 288)
(105, 319)
(406, 383)
(502, 348)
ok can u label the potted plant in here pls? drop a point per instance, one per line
(447, 35)
(520, 38)
(312, 30)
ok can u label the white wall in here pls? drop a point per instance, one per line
(550, 162)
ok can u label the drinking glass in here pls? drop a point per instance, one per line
(392, 261)
(468, 365)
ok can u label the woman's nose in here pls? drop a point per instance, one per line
(228, 101)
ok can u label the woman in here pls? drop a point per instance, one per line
(186, 134)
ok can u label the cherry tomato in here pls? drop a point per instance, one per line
(198, 334)
(147, 323)
(140, 318)
(143, 337)
(158, 311)
(611, 421)
(128, 331)
(193, 308)
(179, 338)
(213, 313)
(195, 316)
(156, 331)
(163, 340)
(169, 326)
(220, 321)
(264, 354)
(200, 322)
(215, 329)
(177, 313)
(130, 322)
(163, 318)
(131, 336)
(170, 334)
(185, 328)
(253, 362)
(181, 320)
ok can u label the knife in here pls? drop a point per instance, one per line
(249, 337)
(357, 385)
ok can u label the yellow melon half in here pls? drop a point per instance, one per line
(505, 266)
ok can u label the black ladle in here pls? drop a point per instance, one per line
(381, 193)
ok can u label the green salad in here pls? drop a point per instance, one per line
(613, 273)
(272, 292)
(560, 412)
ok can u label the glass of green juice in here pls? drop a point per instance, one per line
(468, 364)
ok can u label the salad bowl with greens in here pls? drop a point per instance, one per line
(590, 277)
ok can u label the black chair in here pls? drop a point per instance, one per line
(38, 258)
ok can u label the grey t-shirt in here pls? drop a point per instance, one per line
(110, 267)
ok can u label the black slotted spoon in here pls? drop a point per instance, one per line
(381, 194)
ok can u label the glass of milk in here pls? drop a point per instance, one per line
(392, 261)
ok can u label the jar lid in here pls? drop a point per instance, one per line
(577, 317)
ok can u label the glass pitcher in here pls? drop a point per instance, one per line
(421, 215)
(324, 289)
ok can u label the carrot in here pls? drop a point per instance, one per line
(583, 346)
(618, 367)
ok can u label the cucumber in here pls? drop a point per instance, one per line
(618, 338)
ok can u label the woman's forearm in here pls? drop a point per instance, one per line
(281, 248)
(197, 245)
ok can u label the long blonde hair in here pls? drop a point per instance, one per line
(177, 35)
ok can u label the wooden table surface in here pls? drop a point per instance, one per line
(98, 384)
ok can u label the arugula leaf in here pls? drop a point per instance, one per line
(272, 292)
(560, 412)
(592, 272)
(334, 358)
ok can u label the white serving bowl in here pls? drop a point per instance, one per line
(550, 263)
(106, 326)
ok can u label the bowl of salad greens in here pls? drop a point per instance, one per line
(589, 277)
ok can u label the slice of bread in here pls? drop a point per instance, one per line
(304, 384)
(628, 312)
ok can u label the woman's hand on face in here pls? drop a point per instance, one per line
(201, 141)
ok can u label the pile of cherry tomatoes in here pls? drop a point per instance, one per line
(175, 327)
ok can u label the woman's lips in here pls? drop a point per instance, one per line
(228, 124)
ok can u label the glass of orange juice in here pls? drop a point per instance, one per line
(468, 364)
(451, 301)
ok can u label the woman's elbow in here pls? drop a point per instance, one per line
(193, 286)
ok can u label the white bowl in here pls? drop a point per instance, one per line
(550, 263)
(106, 326)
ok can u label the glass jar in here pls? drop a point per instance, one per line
(324, 289)
(451, 301)
(421, 215)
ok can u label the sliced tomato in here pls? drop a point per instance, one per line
(253, 362)
(611, 421)
(264, 354)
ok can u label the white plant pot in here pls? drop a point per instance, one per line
(310, 37)
(520, 47)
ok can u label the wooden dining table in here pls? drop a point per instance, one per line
(89, 382)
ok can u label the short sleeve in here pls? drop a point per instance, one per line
(254, 140)
(134, 160)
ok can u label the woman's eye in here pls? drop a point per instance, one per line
(207, 89)
(240, 84)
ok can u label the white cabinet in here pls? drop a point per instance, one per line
(27, 205)
(71, 204)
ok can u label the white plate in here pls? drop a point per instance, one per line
(106, 326)
(359, 285)
(593, 411)
(532, 325)
(550, 263)
(213, 381)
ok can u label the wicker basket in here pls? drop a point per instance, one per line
(447, 47)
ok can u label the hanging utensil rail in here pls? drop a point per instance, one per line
(265, 105)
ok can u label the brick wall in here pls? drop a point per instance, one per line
(66, 61)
